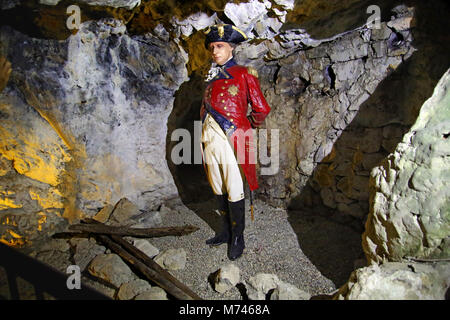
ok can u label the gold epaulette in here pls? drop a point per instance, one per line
(252, 71)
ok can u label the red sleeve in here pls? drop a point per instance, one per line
(260, 107)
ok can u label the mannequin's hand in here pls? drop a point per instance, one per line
(5, 71)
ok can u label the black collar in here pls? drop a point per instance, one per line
(229, 64)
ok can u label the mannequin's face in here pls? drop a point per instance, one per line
(220, 52)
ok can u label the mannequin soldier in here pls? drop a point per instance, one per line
(227, 139)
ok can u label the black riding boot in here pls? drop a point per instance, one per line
(237, 215)
(224, 235)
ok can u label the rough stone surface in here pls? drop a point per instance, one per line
(129, 290)
(129, 4)
(320, 89)
(84, 119)
(85, 251)
(103, 93)
(398, 281)
(260, 285)
(146, 247)
(155, 293)
(172, 259)
(226, 278)
(287, 291)
(112, 269)
(124, 210)
(110, 146)
(410, 192)
(104, 214)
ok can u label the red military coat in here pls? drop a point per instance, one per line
(226, 98)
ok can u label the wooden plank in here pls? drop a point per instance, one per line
(158, 277)
(149, 262)
(134, 232)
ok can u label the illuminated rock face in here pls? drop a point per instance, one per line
(108, 95)
(316, 89)
(33, 162)
(410, 208)
(92, 128)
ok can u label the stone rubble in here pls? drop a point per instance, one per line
(130, 290)
(226, 278)
(85, 251)
(154, 293)
(111, 269)
(398, 281)
(172, 259)
(287, 291)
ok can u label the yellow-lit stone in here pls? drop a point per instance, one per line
(42, 220)
(7, 200)
(53, 199)
(324, 176)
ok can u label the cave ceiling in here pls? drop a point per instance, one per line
(47, 18)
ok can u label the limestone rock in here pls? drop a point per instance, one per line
(259, 285)
(197, 21)
(129, 290)
(226, 278)
(104, 214)
(112, 269)
(147, 220)
(105, 289)
(128, 4)
(287, 291)
(109, 95)
(172, 259)
(55, 244)
(397, 281)
(56, 259)
(155, 293)
(85, 251)
(146, 247)
(124, 210)
(246, 15)
(409, 211)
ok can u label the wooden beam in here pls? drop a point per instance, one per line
(134, 232)
(149, 262)
(157, 276)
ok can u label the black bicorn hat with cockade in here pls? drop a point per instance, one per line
(224, 33)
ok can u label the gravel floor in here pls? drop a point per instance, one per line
(311, 252)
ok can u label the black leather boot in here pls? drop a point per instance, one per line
(237, 215)
(225, 234)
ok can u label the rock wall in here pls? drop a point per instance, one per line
(339, 185)
(409, 197)
(315, 88)
(113, 99)
(398, 281)
(96, 108)
(315, 94)
(407, 230)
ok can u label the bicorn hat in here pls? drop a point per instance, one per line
(224, 33)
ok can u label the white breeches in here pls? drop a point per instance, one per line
(223, 171)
